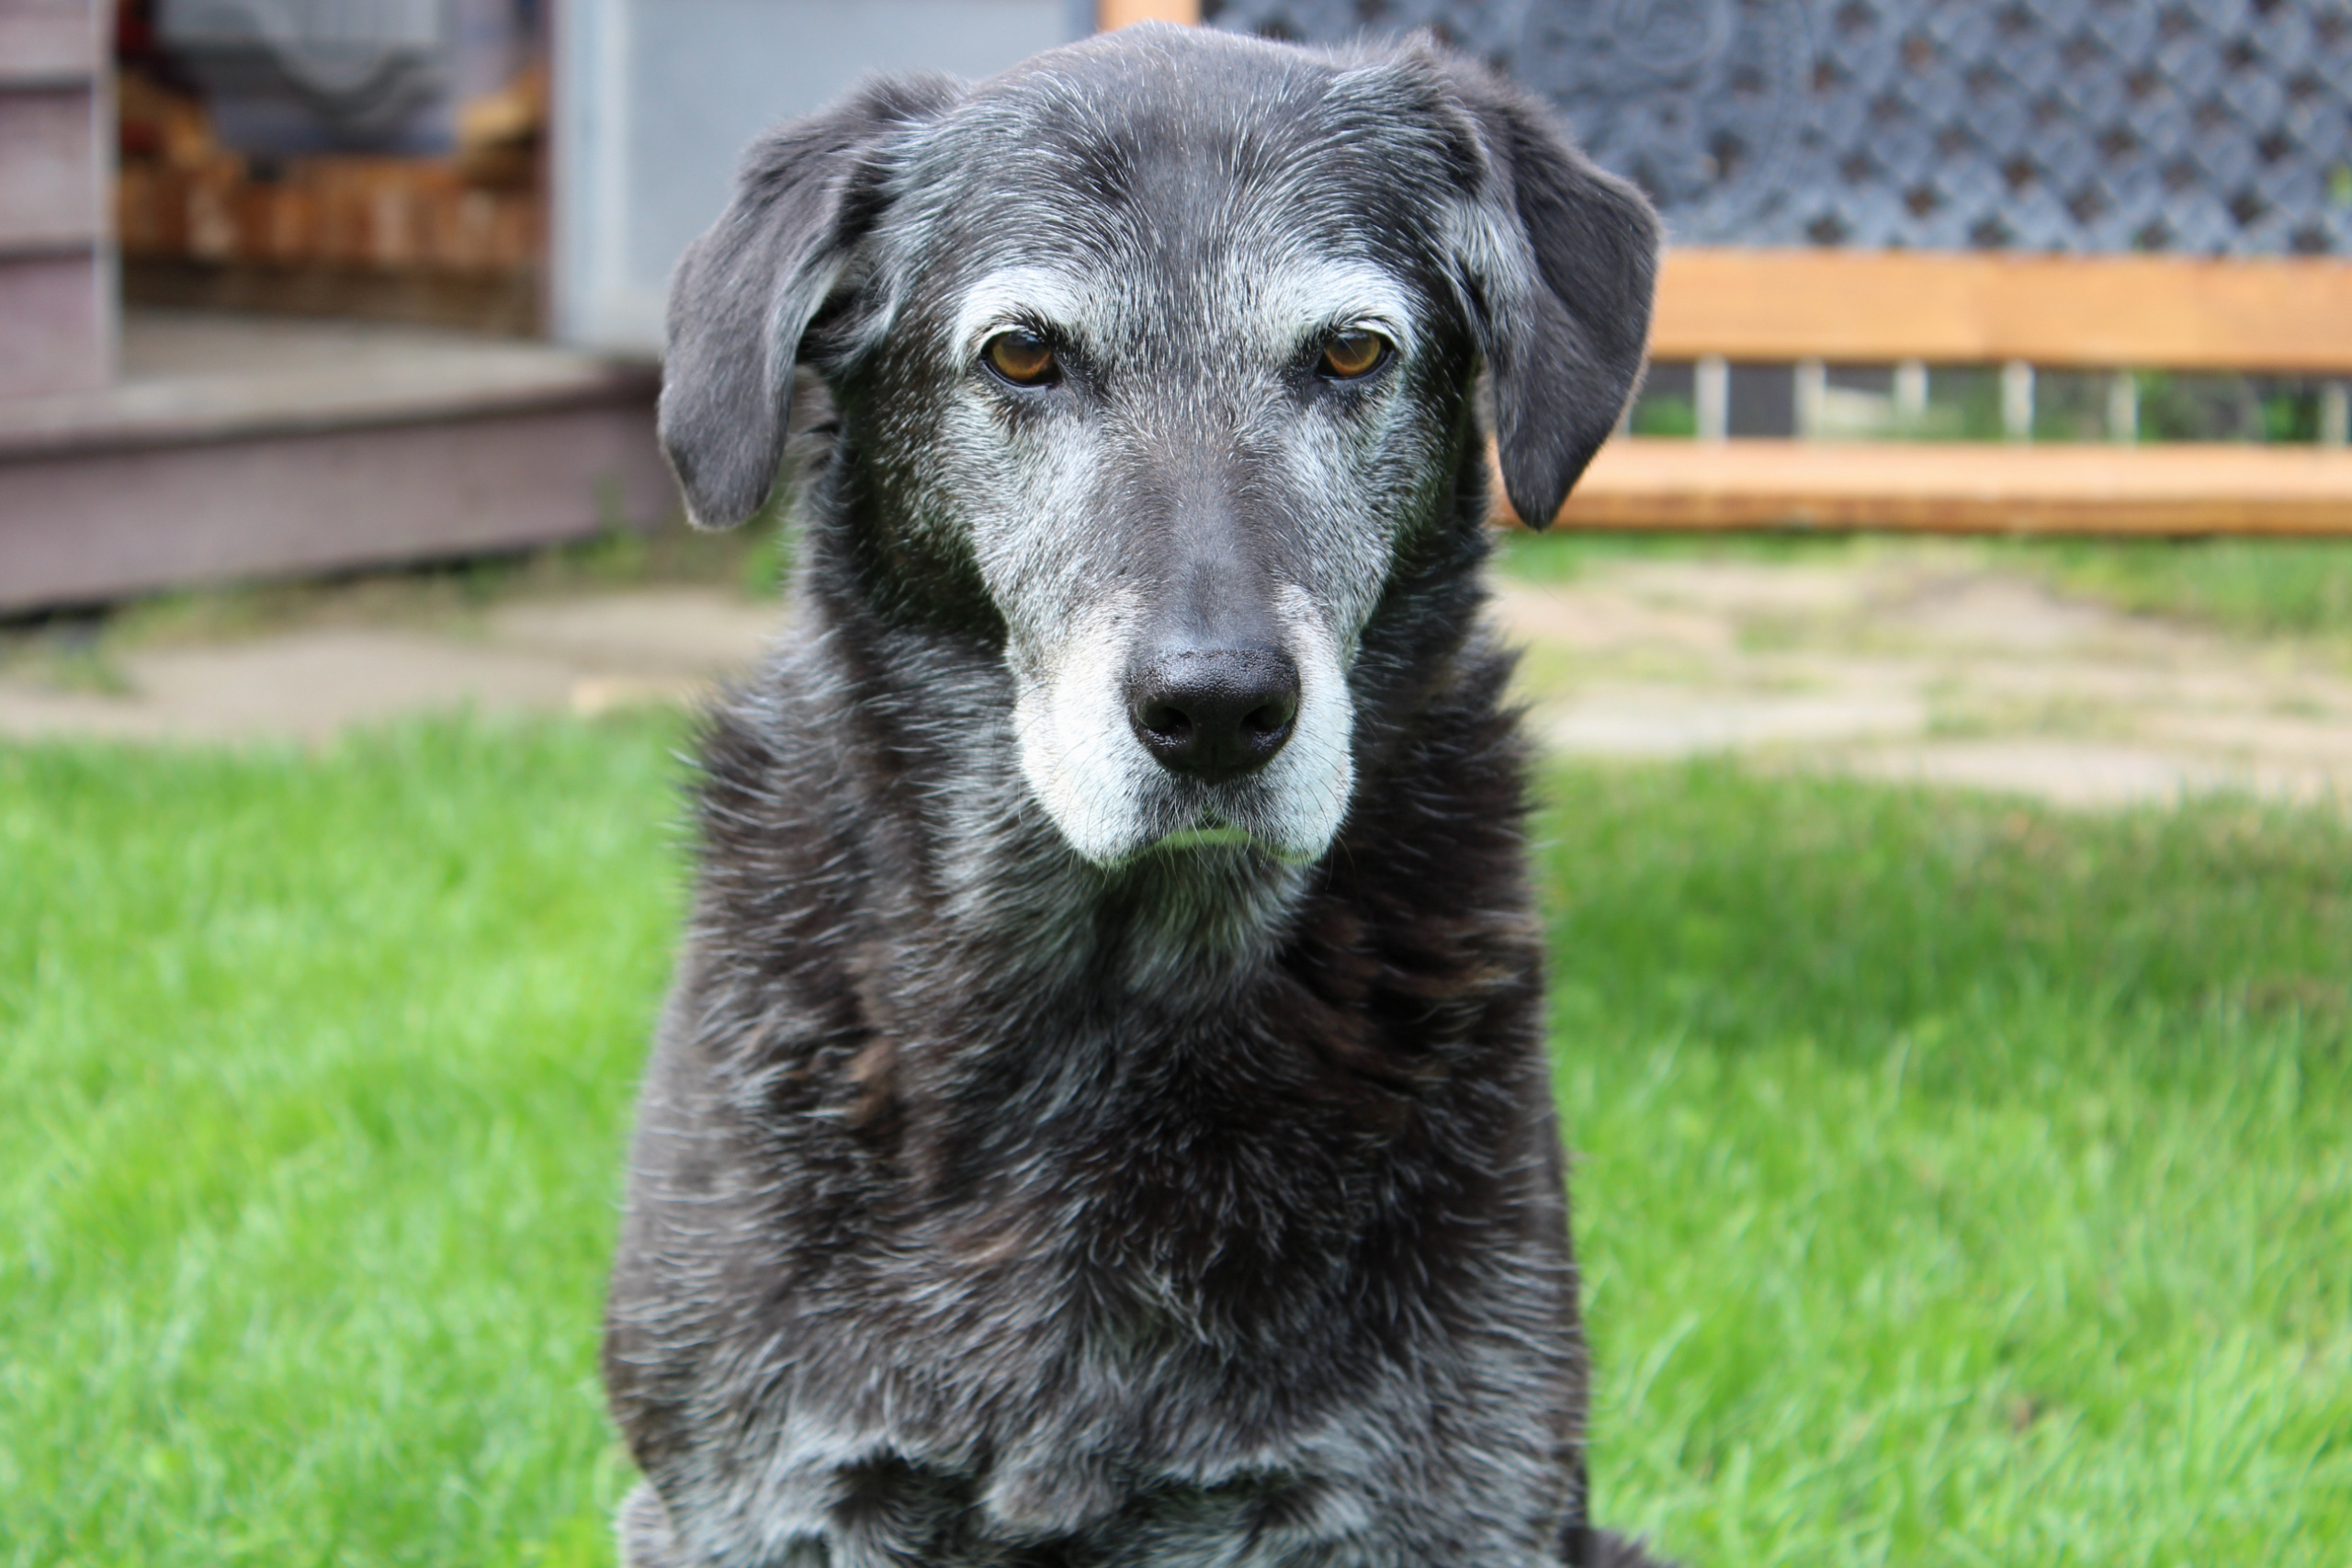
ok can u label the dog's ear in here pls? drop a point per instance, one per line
(745, 293)
(1563, 294)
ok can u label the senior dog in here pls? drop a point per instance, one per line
(1102, 1118)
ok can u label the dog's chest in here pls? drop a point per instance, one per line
(1071, 1436)
(1056, 1437)
(1150, 1318)
(1046, 1275)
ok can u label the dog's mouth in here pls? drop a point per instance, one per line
(1209, 833)
(1213, 832)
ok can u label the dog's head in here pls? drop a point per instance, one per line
(1153, 360)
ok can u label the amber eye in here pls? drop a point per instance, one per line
(1354, 355)
(1021, 358)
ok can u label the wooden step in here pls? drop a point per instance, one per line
(1964, 488)
(243, 447)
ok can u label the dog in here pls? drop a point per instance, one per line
(1102, 1117)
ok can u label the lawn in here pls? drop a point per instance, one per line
(2251, 588)
(1959, 1182)
(318, 1069)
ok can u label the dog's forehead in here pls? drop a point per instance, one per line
(1177, 163)
(1266, 307)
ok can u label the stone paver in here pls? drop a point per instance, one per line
(1913, 667)
(585, 654)
(1924, 669)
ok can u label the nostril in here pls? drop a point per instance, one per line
(1270, 721)
(1165, 721)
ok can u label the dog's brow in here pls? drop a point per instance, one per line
(1284, 303)
(1302, 298)
(1022, 294)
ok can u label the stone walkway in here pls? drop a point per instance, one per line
(1907, 666)
(1916, 668)
(583, 654)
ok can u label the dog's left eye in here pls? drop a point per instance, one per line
(1350, 357)
(1021, 358)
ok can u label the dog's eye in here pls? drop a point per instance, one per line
(1354, 355)
(1021, 358)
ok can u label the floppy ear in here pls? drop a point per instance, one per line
(745, 293)
(1568, 287)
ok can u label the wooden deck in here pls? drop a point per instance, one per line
(237, 447)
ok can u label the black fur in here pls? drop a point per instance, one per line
(991, 1205)
(746, 293)
(1565, 356)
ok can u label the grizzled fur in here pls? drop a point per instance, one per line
(1048, 1159)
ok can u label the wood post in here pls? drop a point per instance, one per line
(1911, 394)
(2016, 400)
(1812, 397)
(1711, 396)
(57, 289)
(2123, 407)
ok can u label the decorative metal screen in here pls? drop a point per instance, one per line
(2218, 127)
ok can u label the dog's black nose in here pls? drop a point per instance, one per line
(1213, 713)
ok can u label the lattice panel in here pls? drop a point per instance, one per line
(2222, 126)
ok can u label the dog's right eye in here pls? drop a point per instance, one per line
(1352, 357)
(1021, 358)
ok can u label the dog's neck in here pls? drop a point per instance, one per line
(978, 1000)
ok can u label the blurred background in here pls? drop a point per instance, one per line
(2058, 127)
(254, 254)
(288, 285)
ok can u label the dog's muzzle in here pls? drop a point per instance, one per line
(1212, 714)
(1190, 728)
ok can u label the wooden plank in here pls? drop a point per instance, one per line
(1110, 15)
(505, 303)
(197, 380)
(84, 527)
(2287, 314)
(1963, 487)
(56, 317)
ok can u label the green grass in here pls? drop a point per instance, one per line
(317, 1074)
(1961, 1184)
(2257, 587)
(1958, 1182)
(1566, 555)
(2266, 588)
